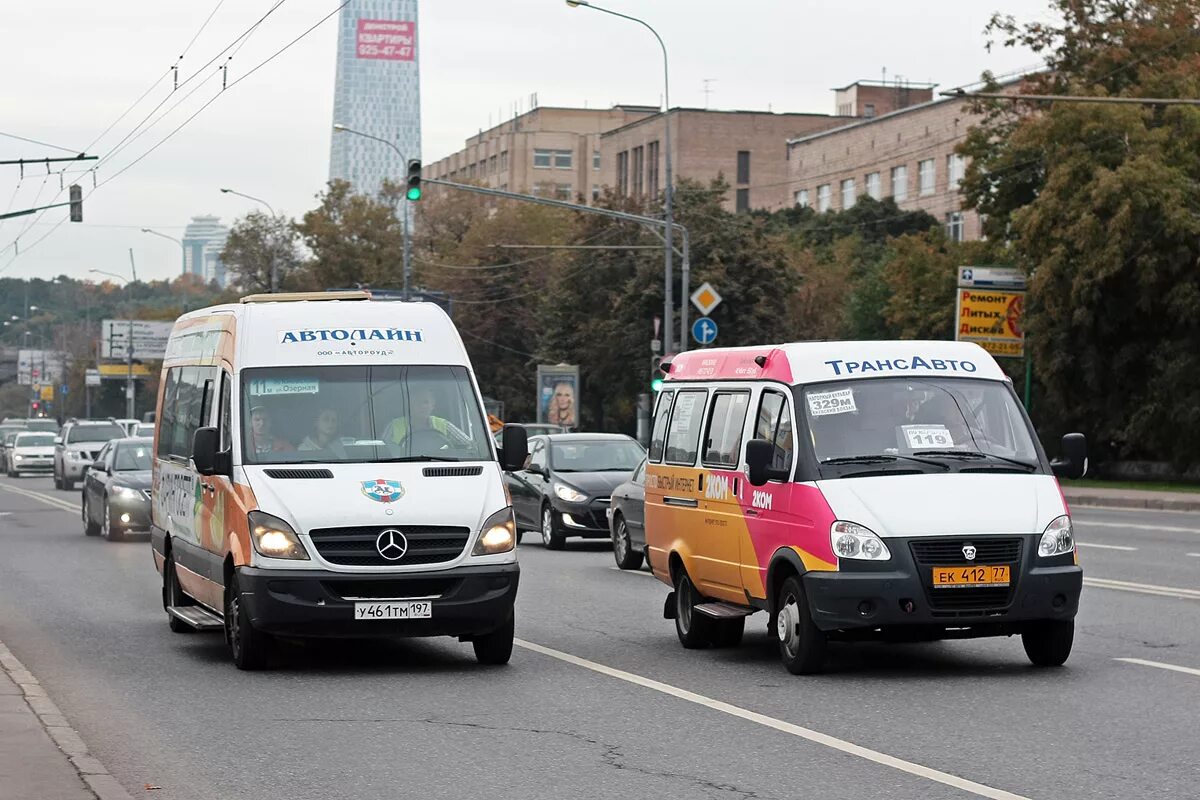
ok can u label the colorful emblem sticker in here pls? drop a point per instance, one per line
(382, 491)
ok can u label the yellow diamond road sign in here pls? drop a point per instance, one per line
(706, 298)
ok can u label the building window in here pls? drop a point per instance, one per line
(503, 160)
(955, 169)
(542, 159)
(824, 197)
(596, 160)
(874, 186)
(471, 172)
(563, 159)
(544, 189)
(899, 184)
(802, 198)
(562, 191)
(848, 195)
(623, 173)
(743, 166)
(954, 226)
(492, 165)
(638, 171)
(869, 110)
(743, 201)
(925, 177)
(483, 164)
(652, 169)
(595, 191)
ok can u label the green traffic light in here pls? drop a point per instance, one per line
(656, 384)
(414, 193)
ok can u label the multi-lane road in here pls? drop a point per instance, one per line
(600, 701)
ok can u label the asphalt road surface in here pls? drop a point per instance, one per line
(600, 701)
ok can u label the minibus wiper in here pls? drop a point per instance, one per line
(407, 459)
(973, 454)
(882, 458)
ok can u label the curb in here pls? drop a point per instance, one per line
(95, 777)
(1152, 503)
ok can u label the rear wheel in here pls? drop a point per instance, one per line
(495, 648)
(247, 644)
(802, 644)
(89, 528)
(694, 629)
(552, 538)
(173, 596)
(624, 553)
(1048, 643)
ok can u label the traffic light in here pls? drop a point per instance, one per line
(656, 375)
(36, 406)
(76, 203)
(414, 180)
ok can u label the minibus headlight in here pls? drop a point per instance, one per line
(274, 538)
(569, 493)
(498, 534)
(851, 540)
(1058, 538)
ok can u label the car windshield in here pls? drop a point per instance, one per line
(918, 424)
(132, 457)
(34, 440)
(94, 433)
(596, 455)
(296, 415)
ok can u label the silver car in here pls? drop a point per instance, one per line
(77, 446)
(30, 452)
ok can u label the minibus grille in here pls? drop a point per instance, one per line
(452, 472)
(947, 552)
(297, 474)
(356, 547)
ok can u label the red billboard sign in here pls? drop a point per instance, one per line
(386, 39)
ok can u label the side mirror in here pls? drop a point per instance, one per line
(1073, 461)
(514, 447)
(207, 459)
(759, 455)
(98, 466)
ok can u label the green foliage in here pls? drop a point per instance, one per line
(355, 238)
(257, 242)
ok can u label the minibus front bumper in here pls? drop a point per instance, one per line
(466, 601)
(898, 596)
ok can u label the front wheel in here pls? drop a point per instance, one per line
(89, 528)
(495, 648)
(110, 532)
(802, 644)
(173, 596)
(624, 553)
(1048, 643)
(552, 538)
(247, 644)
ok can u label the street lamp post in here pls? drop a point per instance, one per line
(406, 234)
(129, 408)
(274, 243)
(669, 197)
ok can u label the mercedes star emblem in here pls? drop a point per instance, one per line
(968, 552)
(391, 544)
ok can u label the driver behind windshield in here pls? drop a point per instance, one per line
(423, 425)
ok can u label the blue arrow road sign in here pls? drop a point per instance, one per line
(704, 330)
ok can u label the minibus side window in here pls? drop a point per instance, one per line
(166, 423)
(225, 419)
(774, 424)
(683, 434)
(723, 438)
(658, 437)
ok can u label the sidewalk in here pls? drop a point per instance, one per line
(41, 755)
(1132, 498)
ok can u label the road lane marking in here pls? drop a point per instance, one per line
(1106, 546)
(1194, 555)
(637, 571)
(816, 737)
(1160, 665)
(42, 498)
(1134, 527)
(1142, 588)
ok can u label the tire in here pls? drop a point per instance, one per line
(802, 645)
(248, 646)
(693, 628)
(110, 532)
(552, 538)
(89, 528)
(173, 596)
(1048, 643)
(623, 552)
(67, 485)
(728, 632)
(495, 648)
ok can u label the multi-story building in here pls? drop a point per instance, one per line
(377, 92)
(203, 240)
(901, 146)
(552, 152)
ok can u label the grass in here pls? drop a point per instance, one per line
(1145, 486)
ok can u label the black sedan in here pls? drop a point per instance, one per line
(567, 482)
(627, 520)
(116, 489)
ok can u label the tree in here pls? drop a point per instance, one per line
(355, 239)
(259, 243)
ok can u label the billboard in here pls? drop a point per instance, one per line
(35, 367)
(558, 395)
(988, 309)
(386, 39)
(149, 338)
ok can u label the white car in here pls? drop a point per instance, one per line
(31, 452)
(77, 446)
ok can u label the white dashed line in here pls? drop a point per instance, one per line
(1106, 546)
(1143, 588)
(1089, 523)
(1160, 665)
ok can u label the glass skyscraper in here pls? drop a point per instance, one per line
(377, 92)
(203, 240)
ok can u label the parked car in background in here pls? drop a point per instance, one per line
(30, 451)
(78, 445)
(565, 487)
(627, 520)
(116, 489)
(143, 429)
(7, 435)
(43, 424)
(531, 428)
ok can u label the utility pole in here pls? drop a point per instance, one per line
(129, 347)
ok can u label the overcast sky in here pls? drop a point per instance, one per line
(71, 67)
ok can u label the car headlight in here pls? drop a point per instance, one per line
(274, 538)
(79, 455)
(569, 493)
(851, 540)
(126, 492)
(17, 457)
(1058, 538)
(498, 534)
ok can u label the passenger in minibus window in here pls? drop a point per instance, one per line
(260, 428)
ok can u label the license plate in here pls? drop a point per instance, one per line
(969, 577)
(416, 609)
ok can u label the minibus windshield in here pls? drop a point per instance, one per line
(347, 414)
(923, 425)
